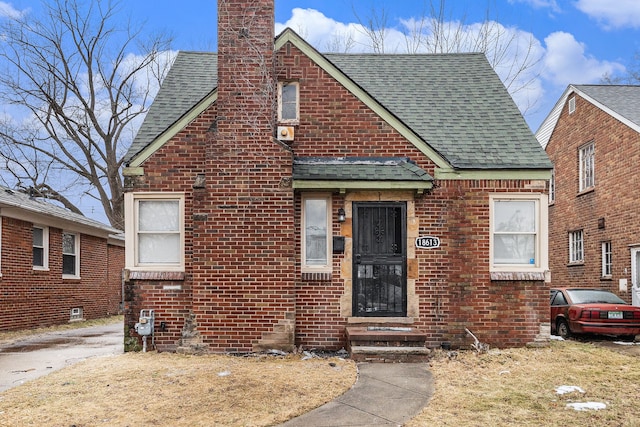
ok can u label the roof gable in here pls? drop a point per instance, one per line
(452, 107)
(619, 101)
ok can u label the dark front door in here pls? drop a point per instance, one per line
(379, 259)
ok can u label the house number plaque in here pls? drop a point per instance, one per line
(427, 242)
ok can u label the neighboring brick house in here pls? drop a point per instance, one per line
(55, 266)
(277, 196)
(592, 137)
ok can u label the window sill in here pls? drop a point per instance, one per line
(576, 264)
(70, 277)
(316, 276)
(518, 275)
(586, 191)
(154, 275)
(606, 278)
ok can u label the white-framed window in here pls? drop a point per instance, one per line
(607, 260)
(572, 105)
(576, 246)
(76, 314)
(154, 231)
(70, 255)
(587, 166)
(40, 236)
(519, 233)
(288, 102)
(316, 232)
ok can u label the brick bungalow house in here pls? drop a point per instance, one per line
(280, 197)
(592, 136)
(55, 266)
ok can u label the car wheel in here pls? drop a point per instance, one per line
(562, 329)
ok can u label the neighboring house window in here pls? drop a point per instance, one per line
(40, 248)
(587, 166)
(519, 232)
(288, 101)
(572, 105)
(154, 230)
(316, 226)
(70, 255)
(576, 246)
(606, 259)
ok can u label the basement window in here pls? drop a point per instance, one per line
(76, 314)
(288, 102)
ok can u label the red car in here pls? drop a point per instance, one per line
(592, 311)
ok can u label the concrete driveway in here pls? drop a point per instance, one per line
(34, 356)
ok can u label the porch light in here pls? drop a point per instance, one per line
(341, 215)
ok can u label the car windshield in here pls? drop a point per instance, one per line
(583, 296)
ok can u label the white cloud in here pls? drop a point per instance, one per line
(567, 62)
(8, 11)
(540, 4)
(612, 14)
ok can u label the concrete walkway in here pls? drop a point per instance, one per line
(34, 356)
(385, 394)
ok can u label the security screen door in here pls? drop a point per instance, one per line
(379, 259)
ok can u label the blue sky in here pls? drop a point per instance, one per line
(576, 41)
(571, 41)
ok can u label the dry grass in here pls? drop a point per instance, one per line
(518, 387)
(498, 388)
(150, 389)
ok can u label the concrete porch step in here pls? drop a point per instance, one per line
(386, 344)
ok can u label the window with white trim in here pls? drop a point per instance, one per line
(40, 237)
(154, 230)
(70, 255)
(316, 235)
(519, 237)
(587, 166)
(607, 260)
(288, 102)
(576, 246)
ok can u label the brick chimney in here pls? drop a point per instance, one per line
(246, 66)
(243, 244)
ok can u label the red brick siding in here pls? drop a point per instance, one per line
(617, 154)
(243, 236)
(33, 298)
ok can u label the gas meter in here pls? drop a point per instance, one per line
(144, 326)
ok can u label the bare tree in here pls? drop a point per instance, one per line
(515, 56)
(631, 76)
(77, 80)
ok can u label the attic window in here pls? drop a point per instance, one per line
(288, 102)
(572, 105)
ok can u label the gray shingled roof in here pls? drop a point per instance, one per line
(15, 199)
(454, 102)
(358, 169)
(192, 77)
(624, 100)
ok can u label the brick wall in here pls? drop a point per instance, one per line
(617, 154)
(33, 298)
(243, 236)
